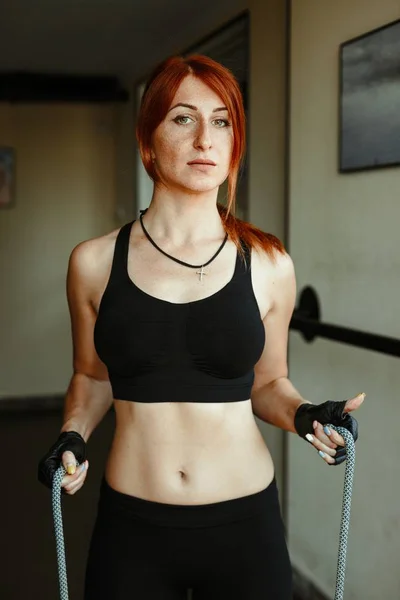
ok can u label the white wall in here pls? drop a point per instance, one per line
(65, 193)
(344, 237)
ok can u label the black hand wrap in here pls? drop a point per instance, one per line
(325, 413)
(48, 465)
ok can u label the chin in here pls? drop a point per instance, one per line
(202, 184)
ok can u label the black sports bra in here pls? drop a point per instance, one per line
(158, 351)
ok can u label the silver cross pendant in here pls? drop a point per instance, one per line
(201, 273)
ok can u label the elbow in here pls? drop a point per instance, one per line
(84, 372)
(266, 383)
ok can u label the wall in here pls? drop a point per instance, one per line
(344, 232)
(65, 193)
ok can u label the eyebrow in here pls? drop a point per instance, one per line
(195, 107)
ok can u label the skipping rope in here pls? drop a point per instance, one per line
(343, 535)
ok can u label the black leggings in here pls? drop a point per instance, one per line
(144, 550)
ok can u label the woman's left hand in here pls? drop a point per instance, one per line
(329, 443)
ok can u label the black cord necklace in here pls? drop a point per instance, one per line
(181, 262)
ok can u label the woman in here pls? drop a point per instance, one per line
(181, 320)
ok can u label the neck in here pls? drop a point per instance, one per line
(184, 220)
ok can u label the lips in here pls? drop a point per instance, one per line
(200, 161)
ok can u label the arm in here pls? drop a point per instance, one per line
(274, 398)
(89, 394)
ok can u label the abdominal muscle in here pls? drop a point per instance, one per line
(187, 453)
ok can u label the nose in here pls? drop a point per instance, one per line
(203, 137)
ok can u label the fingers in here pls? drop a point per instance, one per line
(327, 436)
(324, 451)
(73, 483)
(69, 462)
(354, 403)
(322, 442)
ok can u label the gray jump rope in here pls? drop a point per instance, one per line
(344, 524)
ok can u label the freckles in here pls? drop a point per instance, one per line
(166, 148)
(168, 157)
(169, 138)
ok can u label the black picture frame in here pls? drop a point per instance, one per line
(369, 100)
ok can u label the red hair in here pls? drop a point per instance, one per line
(157, 98)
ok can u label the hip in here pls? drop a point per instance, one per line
(234, 548)
(115, 506)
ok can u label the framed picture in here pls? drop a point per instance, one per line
(369, 112)
(7, 177)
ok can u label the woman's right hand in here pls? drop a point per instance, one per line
(76, 475)
(70, 451)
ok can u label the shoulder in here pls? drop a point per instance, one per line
(277, 272)
(273, 258)
(90, 260)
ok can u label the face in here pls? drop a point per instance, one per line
(196, 128)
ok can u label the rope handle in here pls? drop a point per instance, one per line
(346, 508)
(59, 533)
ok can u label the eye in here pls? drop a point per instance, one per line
(222, 122)
(180, 118)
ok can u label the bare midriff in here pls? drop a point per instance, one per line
(187, 453)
